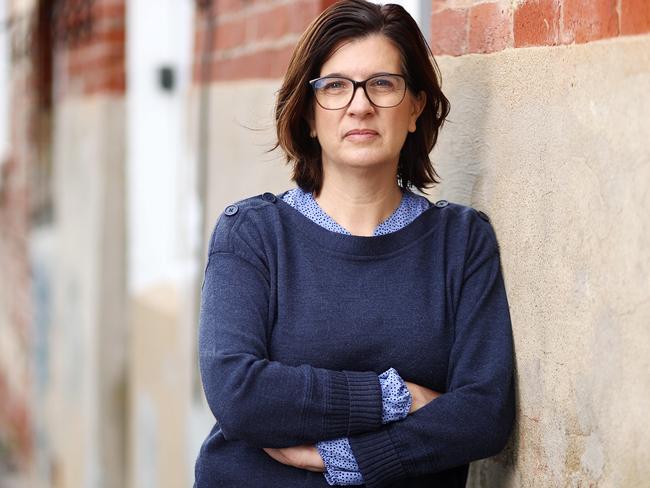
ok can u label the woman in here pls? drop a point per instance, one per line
(351, 331)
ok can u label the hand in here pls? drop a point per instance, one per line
(303, 457)
(420, 396)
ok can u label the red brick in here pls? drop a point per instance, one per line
(83, 62)
(280, 63)
(635, 17)
(229, 35)
(438, 5)
(117, 35)
(200, 38)
(490, 28)
(589, 20)
(229, 6)
(326, 4)
(303, 15)
(197, 77)
(449, 32)
(108, 23)
(268, 63)
(536, 23)
(109, 10)
(106, 81)
(273, 24)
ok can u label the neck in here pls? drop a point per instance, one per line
(359, 200)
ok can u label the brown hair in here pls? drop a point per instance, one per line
(344, 21)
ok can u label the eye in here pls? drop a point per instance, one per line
(333, 84)
(383, 83)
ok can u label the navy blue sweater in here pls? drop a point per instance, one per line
(297, 321)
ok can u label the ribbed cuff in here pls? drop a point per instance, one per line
(377, 458)
(354, 404)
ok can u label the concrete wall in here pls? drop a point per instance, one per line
(86, 402)
(242, 132)
(553, 144)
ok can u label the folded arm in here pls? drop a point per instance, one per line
(264, 402)
(474, 417)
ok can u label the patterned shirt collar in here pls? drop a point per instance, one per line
(410, 207)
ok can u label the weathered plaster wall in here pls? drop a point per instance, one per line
(86, 401)
(242, 132)
(160, 392)
(553, 144)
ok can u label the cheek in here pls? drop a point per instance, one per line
(325, 125)
(400, 124)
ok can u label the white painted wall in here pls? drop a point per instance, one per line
(159, 34)
(163, 242)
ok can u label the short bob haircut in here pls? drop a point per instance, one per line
(343, 22)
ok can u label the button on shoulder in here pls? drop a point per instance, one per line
(231, 210)
(269, 197)
(441, 203)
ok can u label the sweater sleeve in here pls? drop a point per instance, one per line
(340, 466)
(256, 399)
(473, 419)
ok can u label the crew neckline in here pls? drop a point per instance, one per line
(369, 246)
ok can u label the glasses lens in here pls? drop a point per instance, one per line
(334, 93)
(386, 90)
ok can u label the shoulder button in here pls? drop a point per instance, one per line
(269, 197)
(231, 210)
(483, 215)
(441, 203)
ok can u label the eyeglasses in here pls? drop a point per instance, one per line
(383, 90)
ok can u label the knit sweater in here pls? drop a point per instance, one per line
(297, 321)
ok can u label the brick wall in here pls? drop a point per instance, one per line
(254, 38)
(464, 26)
(90, 48)
(250, 38)
(68, 48)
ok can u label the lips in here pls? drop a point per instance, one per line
(361, 133)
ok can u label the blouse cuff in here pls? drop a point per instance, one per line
(341, 467)
(396, 398)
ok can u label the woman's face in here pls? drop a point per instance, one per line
(384, 129)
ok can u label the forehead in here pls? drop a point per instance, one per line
(362, 57)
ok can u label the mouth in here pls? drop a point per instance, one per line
(361, 134)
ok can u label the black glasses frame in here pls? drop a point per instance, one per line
(357, 84)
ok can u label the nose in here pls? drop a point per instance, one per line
(360, 105)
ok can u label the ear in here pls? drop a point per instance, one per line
(309, 120)
(418, 103)
(312, 131)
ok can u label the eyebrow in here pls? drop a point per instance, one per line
(341, 75)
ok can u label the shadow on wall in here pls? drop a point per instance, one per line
(459, 155)
(461, 158)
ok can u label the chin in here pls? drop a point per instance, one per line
(364, 158)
